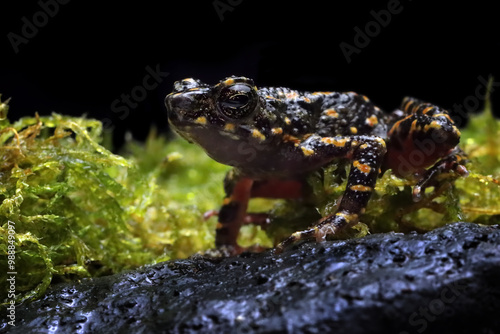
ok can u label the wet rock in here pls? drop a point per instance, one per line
(445, 281)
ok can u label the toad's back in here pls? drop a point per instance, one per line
(324, 113)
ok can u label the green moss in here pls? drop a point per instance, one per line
(184, 183)
(479, 193)
(81, 211)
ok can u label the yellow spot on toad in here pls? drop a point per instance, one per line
(380, 141)
(307, 135)
(431, 125)
(322, 93)
(229, 127)
(372, 120)
(257, 134)
(335, 141)
(354, 130)
(362, 167)
(307, 151)
(443, 115)
(201, 120)
(277, 131)
(290, 138)
(332, 113)
(426, 110)
(360, 187)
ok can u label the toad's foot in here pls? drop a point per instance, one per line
(454, 161)
(328, 226)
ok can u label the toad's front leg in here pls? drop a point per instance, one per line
(367, 154)
(233, 210)
(233, 213)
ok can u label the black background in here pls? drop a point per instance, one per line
(90, 53)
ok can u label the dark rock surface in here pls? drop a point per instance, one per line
(445, 281)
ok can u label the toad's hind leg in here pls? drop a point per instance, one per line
(423, 145)
(367, 154)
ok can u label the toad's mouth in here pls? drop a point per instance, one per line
(187, 138)
(182, 120)
(183, 124)
(194, 132)
(185, 129)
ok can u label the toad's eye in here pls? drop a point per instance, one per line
(237, 101)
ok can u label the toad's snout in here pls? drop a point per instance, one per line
(178, 105)
(187, 105)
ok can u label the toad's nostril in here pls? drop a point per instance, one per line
(177, 102)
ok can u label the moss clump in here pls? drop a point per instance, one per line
(479, 194)
(77, 210)
(183, 184)
(66, 209)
